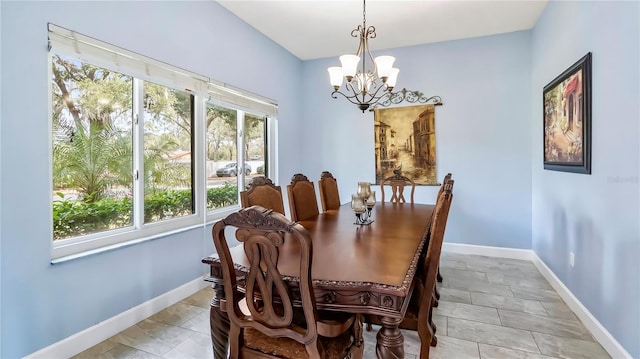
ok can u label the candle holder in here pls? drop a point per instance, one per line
(362, 203)
(370, 202)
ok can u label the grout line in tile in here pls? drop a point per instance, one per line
(535, 341)
(475, 321)
(447, 321)
(566, 337)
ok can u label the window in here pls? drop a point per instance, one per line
(222, 160)
(140, 148)
(225, 173)
(168, 171)
(92, 146)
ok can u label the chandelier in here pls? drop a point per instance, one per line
(375, 77)
(371, 83)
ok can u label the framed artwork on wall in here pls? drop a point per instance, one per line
(405, 143)
(566, 105)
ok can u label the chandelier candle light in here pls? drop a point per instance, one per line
(365, 85)
(362, 203)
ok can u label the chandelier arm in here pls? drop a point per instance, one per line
(350, 87)
(364, 97)
(359, 32)
(349, 98)
(375, 97)
(370, 32)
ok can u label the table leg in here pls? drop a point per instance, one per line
(219, 332)
(390, 341)
(219, 323)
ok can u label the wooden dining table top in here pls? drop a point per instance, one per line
(381, 257)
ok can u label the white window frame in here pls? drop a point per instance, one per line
(86, 49)
(270, 134)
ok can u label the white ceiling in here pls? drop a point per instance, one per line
(313, 29)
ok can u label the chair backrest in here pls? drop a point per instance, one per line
(397, 182)
(263, 192)
(329, 194)
(432, 260)
(446, 178)
(263, 233)
(302, 198)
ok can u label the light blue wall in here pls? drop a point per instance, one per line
(44, 303)
(482, 132)
(595, 216)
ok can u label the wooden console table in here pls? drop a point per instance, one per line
(357, 269)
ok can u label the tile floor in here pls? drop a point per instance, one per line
(490, 308)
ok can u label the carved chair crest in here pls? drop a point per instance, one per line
(398, 183)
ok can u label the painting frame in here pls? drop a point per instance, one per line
(566, 109)
(405, 143)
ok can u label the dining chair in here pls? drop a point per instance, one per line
(446, 178)
(302, 198)
(329, 194)
(436, 294)
(268, 319)
(263, 192)
(426, 329)
(411, 318)
(398, 183)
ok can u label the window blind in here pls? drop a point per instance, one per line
(87, 49)
(224, 93)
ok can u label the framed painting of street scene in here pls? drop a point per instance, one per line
(405, 143)
(567, 119)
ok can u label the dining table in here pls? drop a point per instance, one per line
(367, 269)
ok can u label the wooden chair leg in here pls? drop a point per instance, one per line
(425, 338)
(432, 329)
(367, 319)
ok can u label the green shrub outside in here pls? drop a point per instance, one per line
(226, 195)
(73, 218)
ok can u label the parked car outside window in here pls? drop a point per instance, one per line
(231, 170)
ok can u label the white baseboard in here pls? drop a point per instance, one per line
(501, 252)
(91, 336)
(599, 332)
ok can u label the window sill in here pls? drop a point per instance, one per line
(115, 246)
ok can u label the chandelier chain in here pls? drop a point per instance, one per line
(364, 13)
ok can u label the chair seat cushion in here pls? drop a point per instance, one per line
(330, 348)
